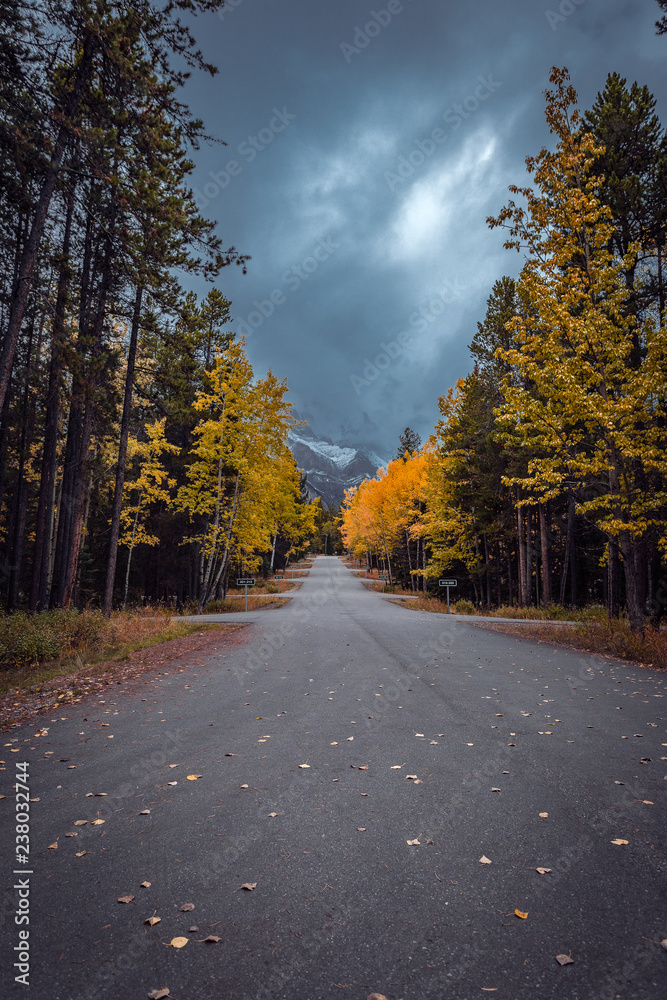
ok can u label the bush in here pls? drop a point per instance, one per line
(27, 639)
(463, 607)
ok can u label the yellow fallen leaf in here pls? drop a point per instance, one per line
(521, 914)
(413, 842)
(54, 846)
(544, 815)
(145, 885)
(152, 921)
(193, 777)
(647, 802)
(484, 860)
(178, 942)
(80, 854)
(80, 822)
(620, 841)
(98, 822)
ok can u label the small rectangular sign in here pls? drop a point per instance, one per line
(447, 583)
(245, 583)
(381, 577)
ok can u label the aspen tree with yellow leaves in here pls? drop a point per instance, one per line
(587, 386)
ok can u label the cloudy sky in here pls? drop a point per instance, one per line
(366, 145)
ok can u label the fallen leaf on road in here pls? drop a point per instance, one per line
(249, 886)
(363, 767)
(619, 782)
(470, 744)
(151, 921)
(273, 814)
(100, 795)
(543, 871)
(511, 744)
(158, 994)
(194, 929)
(395, 767)
(245, 786)
(410, 777)
(304, 765)
(484, 860)
(620, 841)
(193, 777)
(80, 854)
(664, 943)
(364, 794)
(376, 996)
(54, 846)
(350, 738)
(125, 899)
(145, 885)
(495, 789)
(173, 765)
(647, 802)
(98, 822)
(418, 781)
(412, 843)
(80, 822)
(187, 907)
(178, 942)
(544, 815)
(521, 914)
(212, 939)
(564, 960)
(72, 834)
(231, 755)
(172, 782)
(361, 829)
(144, 812)
(334, 744)
(419, 734)
(433, 743)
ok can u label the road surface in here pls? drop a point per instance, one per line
(354, 761)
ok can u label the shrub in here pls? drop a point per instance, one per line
(463, 607)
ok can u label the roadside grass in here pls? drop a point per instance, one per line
(397, 591)
(265, 587)
(229, 606)
(35, 649)
(553, 612)
(605, 638)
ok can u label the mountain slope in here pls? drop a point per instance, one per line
(330, 468)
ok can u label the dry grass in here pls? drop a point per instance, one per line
(234, 605)
(37, 648)
(266, 587)
(608, 638)
(375, 585)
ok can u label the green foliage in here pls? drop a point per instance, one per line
(29, 639)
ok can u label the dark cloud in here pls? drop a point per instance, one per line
(367, 144)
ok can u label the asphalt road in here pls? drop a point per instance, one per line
(366, 694)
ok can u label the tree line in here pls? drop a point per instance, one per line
(129, 415)
(545, 480)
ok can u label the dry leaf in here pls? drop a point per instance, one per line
(212, 939)
(363, 767)
(495, 789)
(72, 834)
(361, 829)
(511, 744)
(664, 943)
(334, 744)
(350, 738)
(647, 802)
(395, 767)
(410, 777)
(98, 822)
(173, 765)
(412, 843)
(273, 815)
(80, 854)
(193, 777)
(470, 744)
(418, 781)
(178, 942)
(249, 886)
(484, 860)
(187, 907)
(564, 960)
(158, 994)
(543, 871)
(304, 765)
(125, 899)
(521, 914)
(544, 815)
(620, 841)
(194, 929)
(145, 885)
(245, 786)
(144, 812)
(151, 921)
(172, 782)
(80, 822)
(54, 846)
(376, 996)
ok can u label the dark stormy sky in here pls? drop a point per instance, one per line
(366, 230)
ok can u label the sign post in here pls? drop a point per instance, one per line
(447, 584)
(246, 582)
(383, 578)
(278, 578)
